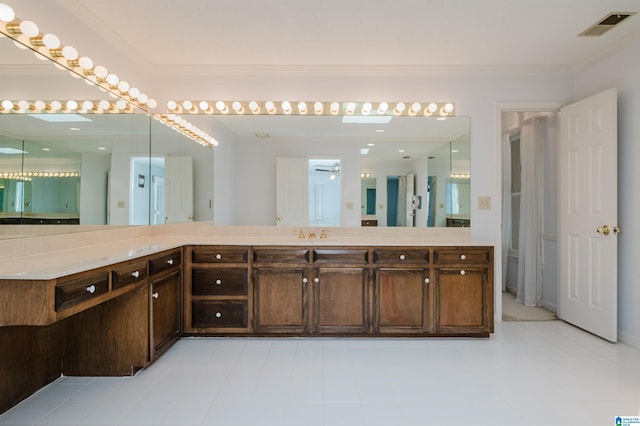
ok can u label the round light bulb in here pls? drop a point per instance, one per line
(72, 105)
(51, 41)
(351, 108)
(334, 108)
(100, 71)
(318, 108)
(87, 105)
(172, 105)
(70, 53)
(55, 106)
(448, 107)
(104, 105)
(152, 103)
(221, 106)
(286, 107)
(6, 13)
(366, 108)
(416, 107)
(254, 107)
(383, 107)
(302, 107)
(85, 63)
(187, 105)
(270, 106)
(39, 105)
(112, 79)
(203, 105)
(121, 104)
(29, 28)
(123, 86)
(23, 106)
(7, 105)
(237, 106)
(399, 108)
(432, 107)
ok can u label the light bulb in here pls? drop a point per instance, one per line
(187, 105)
(318, 108)
(222, 107)
(399, 109)
(123, 86)
(351, 108)
(6, 13)
(335, 108)
(152, 103)
(172, 105)
(366, 108)
(29, 28)
(51, 41)
(100, 72)
(237, 107)
(270, 106)
(448, 107)
(254, 107)
(104, 105)
(87, 105)
(302, 107)
(286, 107)
(85, 63)
(121, 104)
(203, 106)
(39, 105)
(70, 53)
(23, 106)
(416, 107)
(112, 79)
(134, 93)
(55, 106)
(432, 107)
(72, 105)
(382, 108)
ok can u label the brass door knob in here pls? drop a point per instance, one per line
(605, 230)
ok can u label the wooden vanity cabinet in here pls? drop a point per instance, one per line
(402, 291)
(217, 290)
(463, 290)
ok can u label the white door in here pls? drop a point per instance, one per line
(178, 176)
(588, 214)
(410, 219)
(292, 191)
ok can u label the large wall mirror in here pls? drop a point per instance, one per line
(280, 163)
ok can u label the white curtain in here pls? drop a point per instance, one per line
(506, 204)
(532, 139)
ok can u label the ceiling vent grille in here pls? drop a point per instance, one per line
(605, 24)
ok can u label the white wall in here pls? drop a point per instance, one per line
(621, 70)
(93, 189)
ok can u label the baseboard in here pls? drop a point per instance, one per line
(549, 306)
(629, 339)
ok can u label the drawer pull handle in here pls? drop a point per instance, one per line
(463, 257)
(135, 274)
(218, 315)
(462, 272)
(218, 282)
(305, 280)
(426, 280)
(402, 257)
(170, 261)
(316, 280)
(218, 256)
(91, 289)
(155, 295)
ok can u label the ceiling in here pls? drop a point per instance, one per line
(182, 37)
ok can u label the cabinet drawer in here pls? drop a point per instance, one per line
(227, 281)
(164, 263)
(213, 313)
(340, 256)
(288, 256)
(462, 256)
(400, 256)
(217, 254)
(128, 274)
(76, 291)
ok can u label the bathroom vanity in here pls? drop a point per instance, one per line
(108, 303)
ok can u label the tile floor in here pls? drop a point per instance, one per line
(529, 373)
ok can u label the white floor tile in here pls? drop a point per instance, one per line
(539, 373)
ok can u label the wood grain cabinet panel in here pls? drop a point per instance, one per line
(166, 313)
(128, 274)
(219, 254)
(163, 263)
(281, 304)
(400, 256)
(341, 300)
(461, 300)
(219, 314)
(81, 289)
(219, 281)
(403, 302)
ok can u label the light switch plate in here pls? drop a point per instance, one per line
(484, 203)
(121, 204)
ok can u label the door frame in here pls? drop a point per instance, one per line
(533, 106)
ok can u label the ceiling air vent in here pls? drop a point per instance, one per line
(605, 24)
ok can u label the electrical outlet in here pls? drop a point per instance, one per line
(484, 203)
(349, 205)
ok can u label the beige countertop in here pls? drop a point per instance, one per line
(53, 256)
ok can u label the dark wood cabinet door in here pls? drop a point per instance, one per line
(461, 302)
(281, 300)
(402, 300)
(165, 299)
(340, 300)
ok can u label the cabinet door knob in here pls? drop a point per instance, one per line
(218, 256)
(218, 282)
(91, 289)
(155, 295)
(463, 257)
(305, 280)
(402, 257)
(218, 315)
(462, 272)
(135, 274)
(316, 280)
(170, 261)
(426, 280)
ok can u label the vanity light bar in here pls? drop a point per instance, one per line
(27, 34)
(65, 106)
(27, 176)
(414, 109)
(187, 129)
(460, 176)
